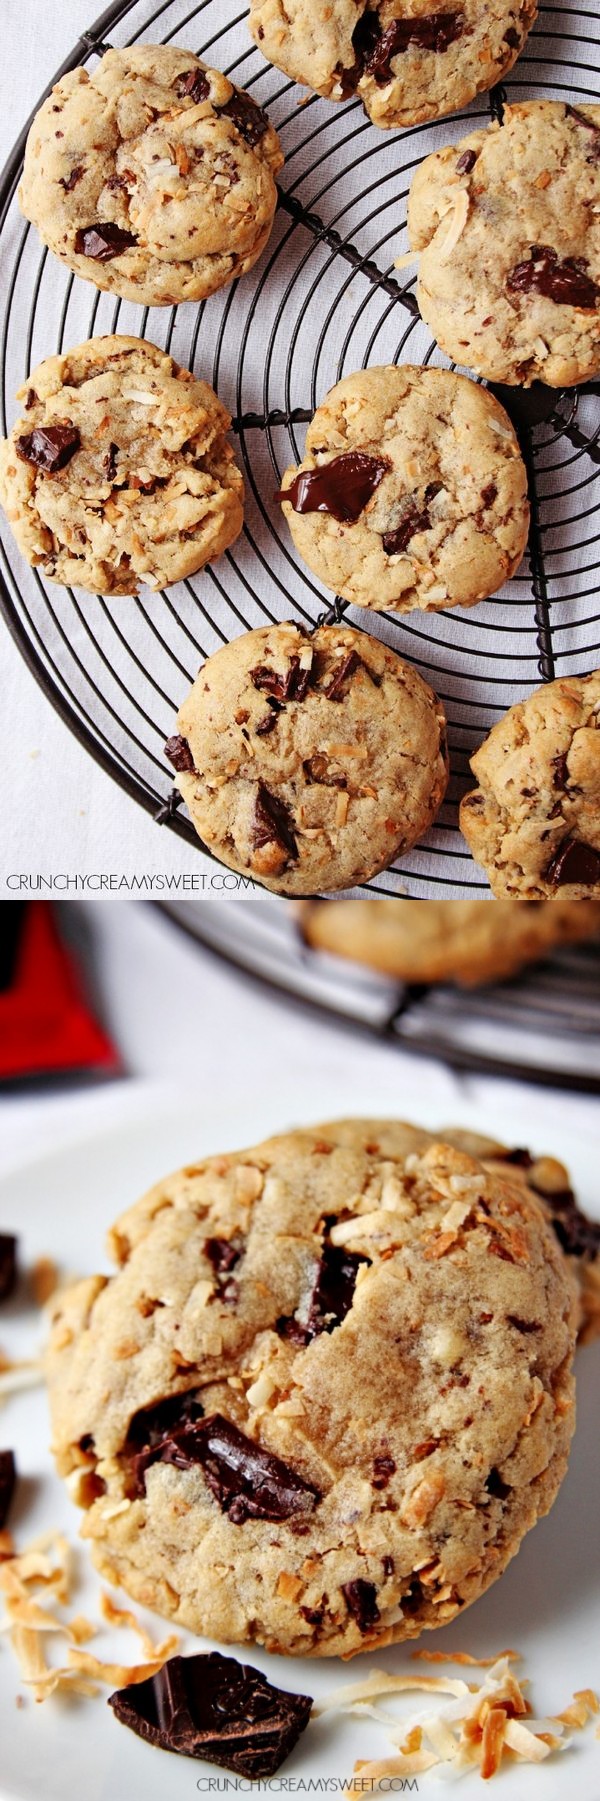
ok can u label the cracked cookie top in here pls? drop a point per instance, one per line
(407, 61)
(327, 1392)
(152, 177)
(309, 762)
(533, 821)
(412, 491)
(507, 223)
(119, 472)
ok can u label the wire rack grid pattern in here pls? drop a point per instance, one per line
(324, 300)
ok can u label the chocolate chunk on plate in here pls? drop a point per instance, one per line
(8, 1265)
(8, 1477)
(212, 1707)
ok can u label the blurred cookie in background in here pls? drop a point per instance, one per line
(464, 941)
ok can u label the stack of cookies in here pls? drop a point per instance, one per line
(310, 761)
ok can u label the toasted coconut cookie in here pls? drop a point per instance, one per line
(405, 59)
(446, 941)
(152, 177)
(309, 763)
(412, 491)
(119, 472)
(326, 1394)
(533, 821)
(508, 226)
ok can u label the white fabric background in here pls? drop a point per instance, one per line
(59, 811)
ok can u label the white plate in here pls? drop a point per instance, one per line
(547, 1605)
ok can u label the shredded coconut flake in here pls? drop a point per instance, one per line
(457, 225)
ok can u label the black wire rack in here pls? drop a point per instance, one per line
(325, 299)
(543, 1026)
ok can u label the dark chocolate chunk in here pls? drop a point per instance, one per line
(574, 862)
(31, 399)
(103, 240)
(523, 1325)
(594, 130)
(361, 1598)
(155, 1431)
(266, 725)
(496, 1487)
(212, 1707)
(49, 447)
(69, 182)
(388, 1565)
(562, 279)
(342, 487)
(383, 1468)
(466, 162)
(292, 685)
(331, 1298)
(223, 1254)
(193, 85)
(179, 754)
(522, 1159)
(489, 494)
(512, 38)
(109, 464)
(334, 688)
(273, 822)
(8, 1265)
(416, 519)
(249, 119)
(8, 1477)
(375, 49)
(316, 769)
(578, 1235)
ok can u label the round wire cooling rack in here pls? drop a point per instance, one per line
(324, 300)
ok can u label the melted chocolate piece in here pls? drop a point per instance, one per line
(466, 162)
(69, 182)
(316, 769)
(155, 1433)
(361, 1599)
(342, 487)
(266, 725)
(223, 1254)
(8, 1477)
(212, 1707)
(273, 822)
(523, 1325)
(436, 31)
(193, 86)
(109, 464)
(383, 1468)
(416, 519)
(562, 279)
(248, 118)
(247, 1482)
(496, 1487)
(179, 754)
(574, 862)
(331, 1298)
(335, 686)
(512, 38)
(102, 241)
(49, 447)
(293, 685)
(8, 1265)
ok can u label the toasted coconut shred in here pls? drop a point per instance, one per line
(37, 1587)
(481, 1723)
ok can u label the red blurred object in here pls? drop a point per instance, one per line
(45, 1023)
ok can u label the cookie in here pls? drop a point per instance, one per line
(119, 471)
(412, 491)
(507, 223)
(152, 177)
(533, 821)
(309, 763)
(468, 941)
(405, 63)
(327, 1392)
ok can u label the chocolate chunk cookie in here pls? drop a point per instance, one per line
(119, 472)
(533, 821)
(468, 942)
(309, 763)
(412, 491)
(348, 1445)
(508, 226)
(152, 177)
(406, 61)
